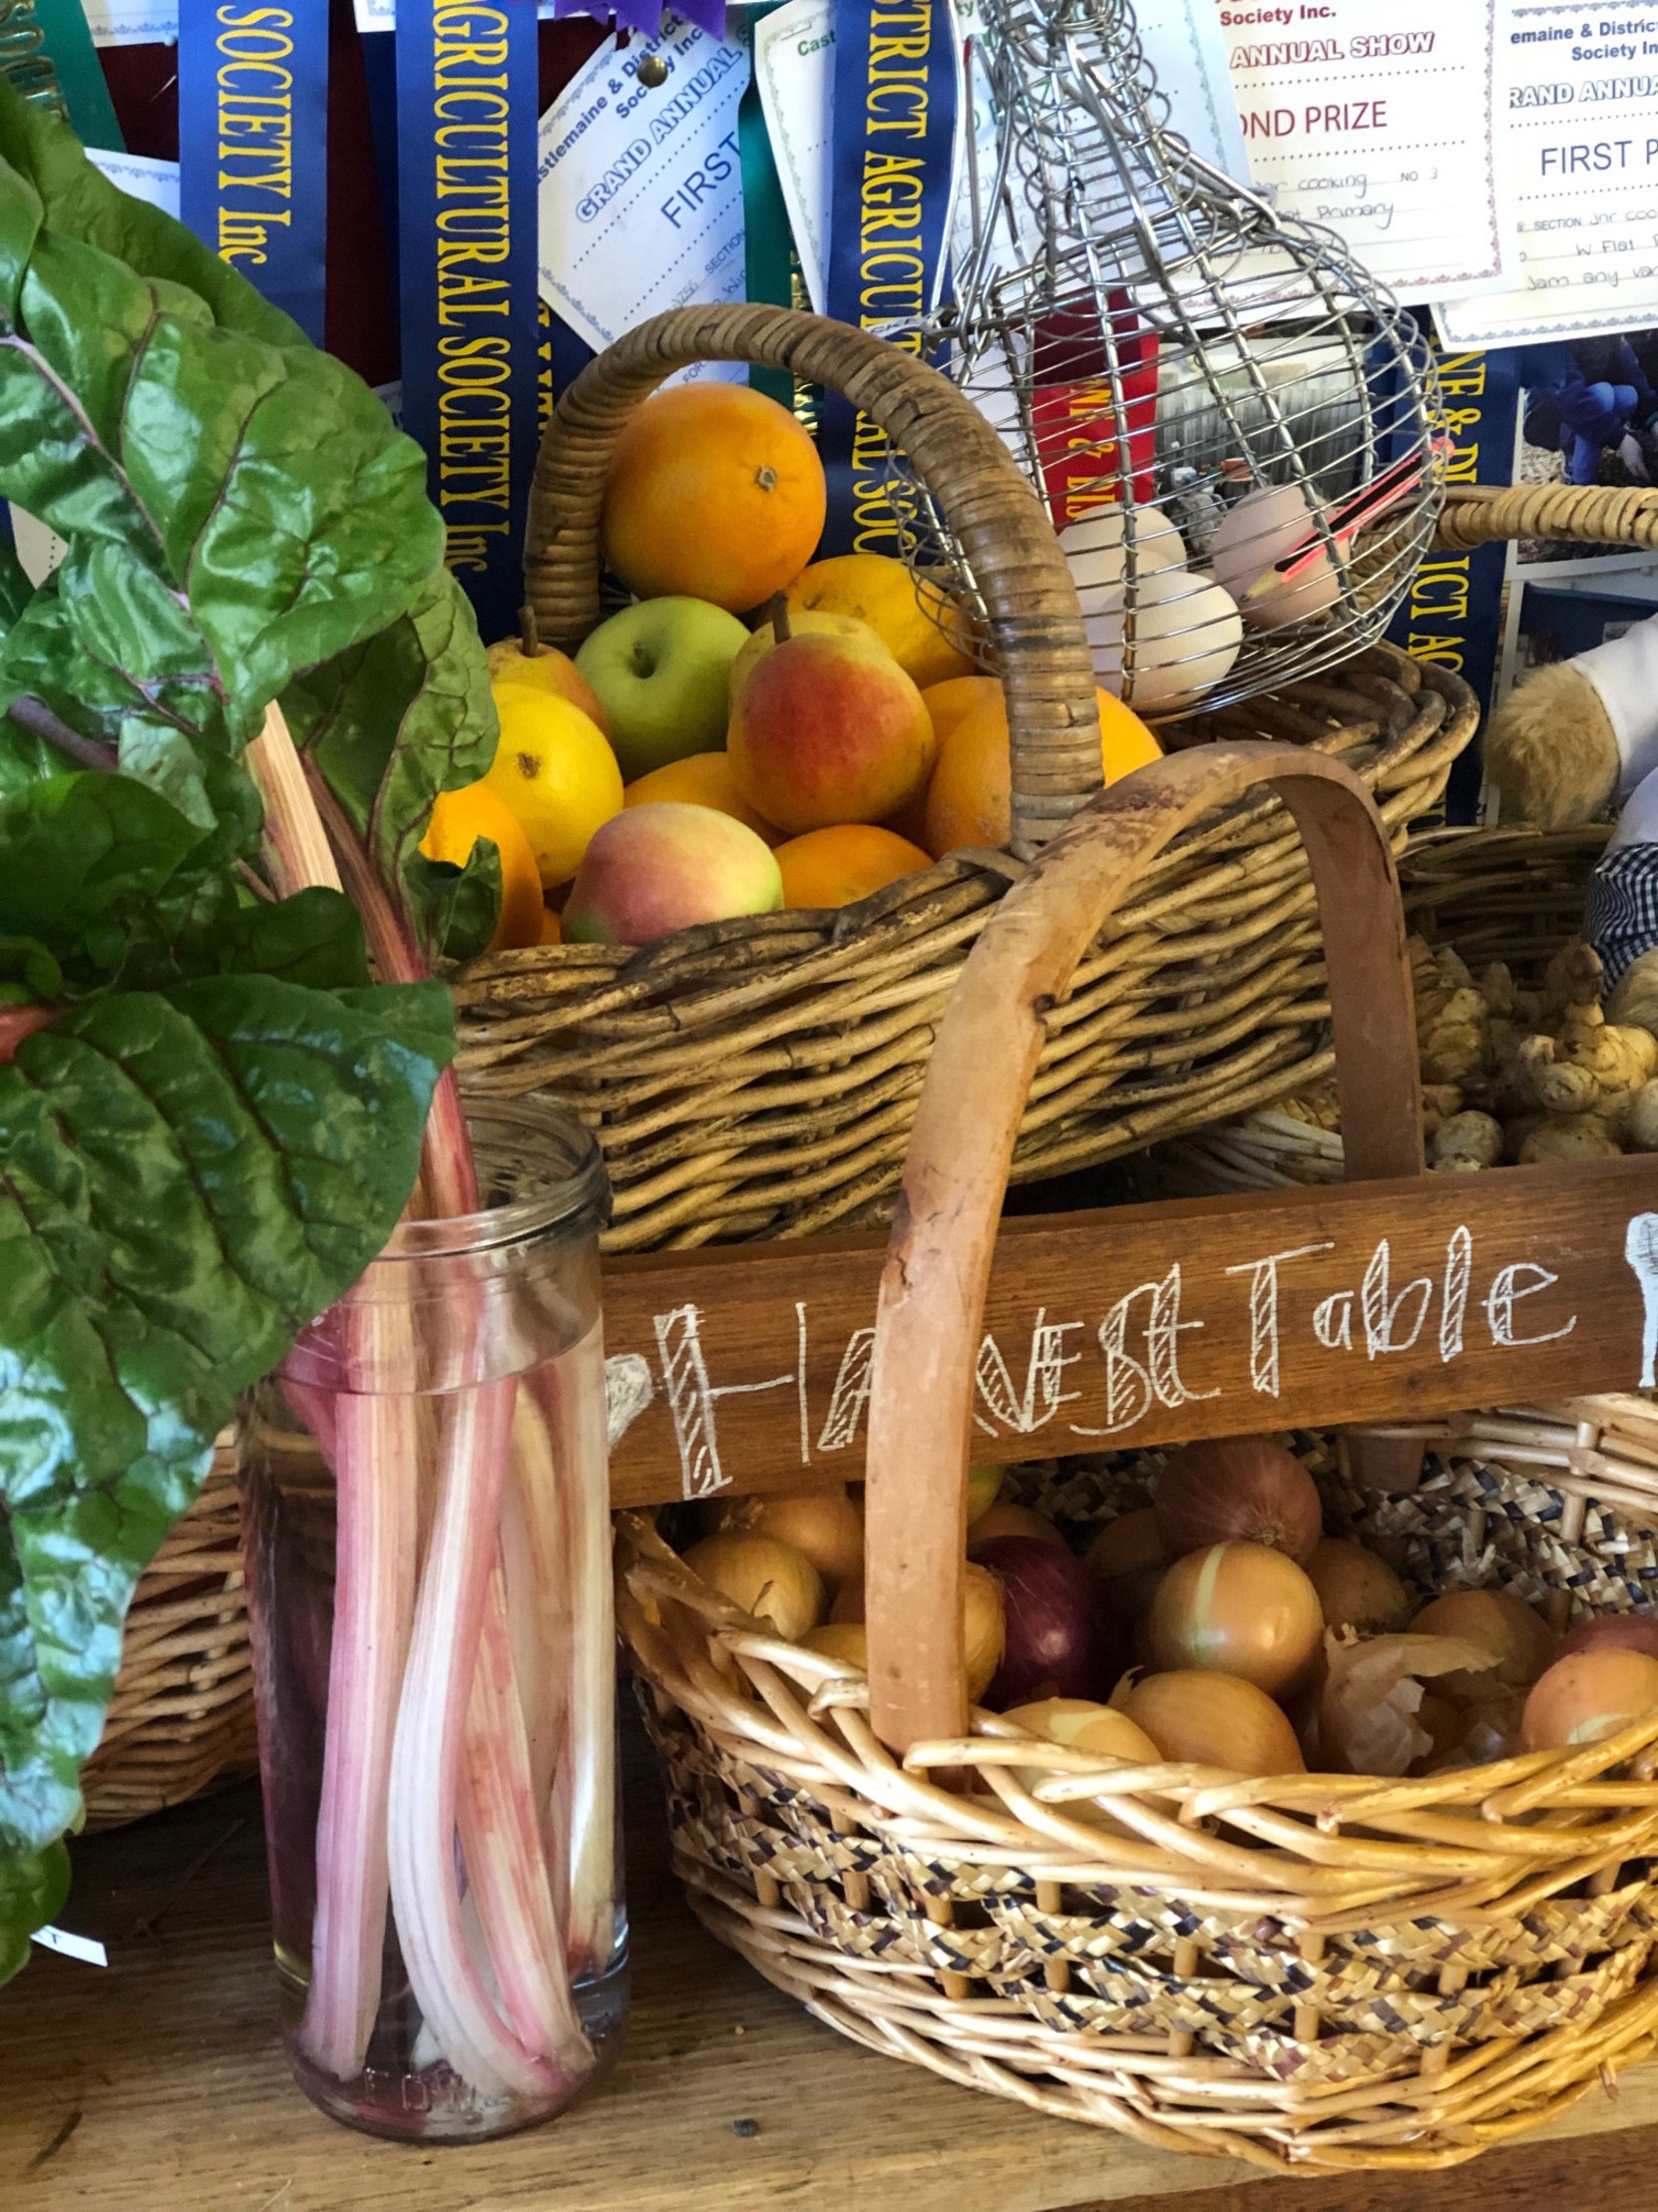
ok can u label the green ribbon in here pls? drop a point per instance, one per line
(771, 269)
(80, 73)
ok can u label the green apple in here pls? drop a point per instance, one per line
(662, 673)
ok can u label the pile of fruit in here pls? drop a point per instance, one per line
(756, 730)
(1218, 1627)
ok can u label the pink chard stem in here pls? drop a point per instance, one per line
(427, 1727)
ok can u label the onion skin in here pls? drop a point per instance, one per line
(766, 1577)
(1057, 1642)
(824, 1524)
(1356, 1589)
(1520, 1642)
(1237, 1490)
(1238, 1608)
(1087, 1726)
(1615, 1632)
(984, 1488)
(1214, 1721)
(982, 1625)
(840, 1639)
(1589, 1696)
(1003, 1519)
(984, 1628)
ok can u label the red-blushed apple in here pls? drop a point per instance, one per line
(827, 729)
(662, 671)
(658, 868)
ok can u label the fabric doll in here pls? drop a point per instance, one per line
(1565, 743)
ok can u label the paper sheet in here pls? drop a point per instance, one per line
(794, 62)
(1581, 127)
(132, 22)
(641, 188)
(1379, 121)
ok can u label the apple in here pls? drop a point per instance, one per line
(662, 671)
(545, 670)
(665, 866)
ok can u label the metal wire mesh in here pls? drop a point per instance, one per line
(1230, 423)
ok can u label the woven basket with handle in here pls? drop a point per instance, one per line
(758, 1076)
(1301, 1970)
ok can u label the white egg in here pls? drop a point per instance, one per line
(1098, 554)
(1261, 530)
(1187, 633)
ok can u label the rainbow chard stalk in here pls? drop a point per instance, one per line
(432, 1733)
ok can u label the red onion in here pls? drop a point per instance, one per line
(1237, 1490)
(1616, 1632)
(1058, 1645)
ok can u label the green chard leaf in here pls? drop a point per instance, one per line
(393, 723)
(187, 1179)
(214, 1134)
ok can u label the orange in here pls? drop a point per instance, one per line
(551, 930)
(969, 801)
(715, 491)
(701, 779)
(459, 819)
(832, 867)
(904, 611)
(947, 702)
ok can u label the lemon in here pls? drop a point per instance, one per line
(555, 771)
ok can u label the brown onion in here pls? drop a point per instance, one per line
(841, 1640)
(982, 1629)
(981, 1626)
(1085, 1726)
(1356, 1589)
(1238, 1608)
(824, 1524)
(1615, 1632)
(1004, 1520)
(766, 1577)
(1126, 1558)
(1591, 1695)
(1214, 1721)
(984, 1488)
(1520, 1644)
(1237, 1490)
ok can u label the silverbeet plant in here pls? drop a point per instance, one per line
(209, 1118)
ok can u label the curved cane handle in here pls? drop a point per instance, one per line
(938, 1256)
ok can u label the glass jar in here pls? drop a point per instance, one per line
(427, 1527)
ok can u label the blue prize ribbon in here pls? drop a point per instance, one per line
(253, 144)
(466, 210)
(896, 87)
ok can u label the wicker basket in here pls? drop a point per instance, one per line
(181, 1719)
(758, 1077)
(1513, 894)
(1301, 1972)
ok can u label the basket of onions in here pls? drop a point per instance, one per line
(1267, 1816)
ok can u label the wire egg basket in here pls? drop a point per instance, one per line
(1231, 425)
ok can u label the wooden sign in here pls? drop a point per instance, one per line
(747, 1368)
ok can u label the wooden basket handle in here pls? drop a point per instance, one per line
(1036, 625)
(933, 1289)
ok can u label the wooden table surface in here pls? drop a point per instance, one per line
(159, 2086)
